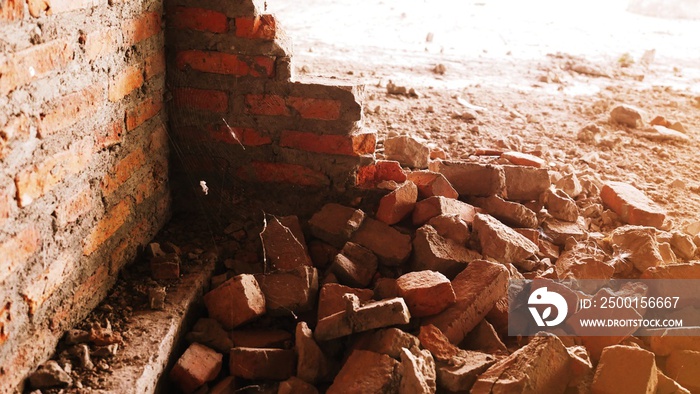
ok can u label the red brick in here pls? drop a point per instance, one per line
(432, 184)
(128, 80)
(107, 226)
(375, 314)
(200, 19)
(391, 246)
(12, 10)
(294, 385)
(524, 159)
(437, 343)
(143, 111)
(198, 365)
(141, 28)
(154, 65)
(382, 170)
(236, 301)
(40, 178)
(239, 135)
(261, 104)
(18, 250)
(259, 27)
(350, 145)
(283, 250)
(501, 242)
(289, 292)
(525, 183)
(426, 292)
(396, 205)
(438, 205)
(70, 109)
(99, 43)
(312, 364)
(45, 284)
(633, 206)
(355, 265)
(34, 63)
(78, 205)
(252, 363)
(477, 289)
(110, 134)
(122, 171)
(331, 300)
(261, 338)
(432, 251)
(312, 108)
(201, 99)
(282, 173)
(224, 63)
(367, 372)
(335, 223)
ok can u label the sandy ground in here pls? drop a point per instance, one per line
(516, 60)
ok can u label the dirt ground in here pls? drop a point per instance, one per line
(533, 74)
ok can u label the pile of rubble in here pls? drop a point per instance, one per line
(413, 299)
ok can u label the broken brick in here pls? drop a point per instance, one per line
(289, 291)
(385, 288)
(432, 184)
(633, 206)
(375, 314)
(198, 365)
(484, 339)
(435, 253)
(417, 372)
(477, 289)
(524, 159)
(525, 183)
(438, 205)
(560, 205)
(282, 249)
(408, 151)
(641, 246)
(209, 332)
(451, 227)
(354, 265)
(683, 366)
(294, 385)
(330, 300)
(472, 179)
(396, 205)
(426, 292)
(388, 341)
(627, 115)
(236, 301)
(334, 326)
(252, 363)
(367, 372)
(541, 366)
(510, 213)
(312, 364)
(625, 369)
(391, 246)
(261, 338)
(166, 266)
(433, 339)
(336, 223)
(501, 242)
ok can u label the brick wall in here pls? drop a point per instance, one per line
(83, 161)
(238, 119)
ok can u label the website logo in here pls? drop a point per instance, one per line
(543, 297)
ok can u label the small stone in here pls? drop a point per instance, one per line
(627, 115)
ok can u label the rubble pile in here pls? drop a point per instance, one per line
(412, 298)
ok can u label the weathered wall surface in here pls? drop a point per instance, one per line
(83, 161)
(237, 117)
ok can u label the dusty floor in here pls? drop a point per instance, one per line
(516, 61)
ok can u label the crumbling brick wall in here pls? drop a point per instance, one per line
(237, 116)
(83, 161)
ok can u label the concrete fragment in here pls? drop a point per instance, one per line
(541, 366)
(477, 289)
(560, 205)
(198, 365)
(525, 183)
(49, 374)
(236, 301)
(417, 372)
(451, 227)
(627, 115)
(354, 265)
(312, 365)
(367, 372)
(633, 206)
(625, 369)
(391, 246)
(433, 252)
(398, 204)
(282, 249)
(252, 363)
(209, 332)
(331, 300)
(289, 291)
(408, 151)
(432, 184)
(501, 242)
(376, 314)
(641, 247)
(426, 292)
(294, 385)
(336, 223)
(683, 366)
(508, 212)
(438, 205)
(472, 179)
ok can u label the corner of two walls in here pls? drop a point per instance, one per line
(83, 162)
(238, 119)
